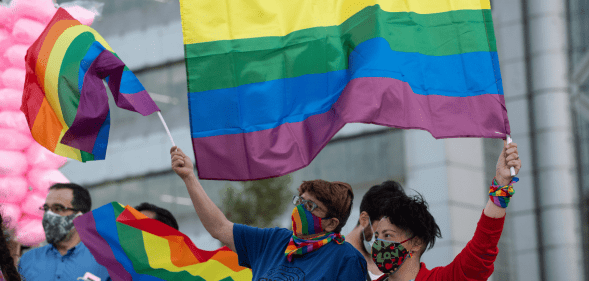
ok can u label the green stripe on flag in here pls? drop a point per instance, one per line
(232, 63)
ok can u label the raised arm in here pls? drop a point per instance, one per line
(476, 260)
(209, 214)
(508, 158)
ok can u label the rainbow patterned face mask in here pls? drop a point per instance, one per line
(304, 222)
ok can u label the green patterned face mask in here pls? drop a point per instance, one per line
(388, 255)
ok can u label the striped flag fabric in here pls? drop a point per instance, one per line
(64, 99)
(134, 247)
(271, 82)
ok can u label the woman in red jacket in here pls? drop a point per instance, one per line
(407, 229)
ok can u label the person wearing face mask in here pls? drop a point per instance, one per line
(407, 229)
(361, 237)
(313, 250)
(64, 257)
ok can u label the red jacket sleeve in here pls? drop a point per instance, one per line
(475, 261)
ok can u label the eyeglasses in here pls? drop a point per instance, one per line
(309, 205)
(57, 208)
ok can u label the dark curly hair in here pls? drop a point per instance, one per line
(411, 214)
(377, 196)
(6, 261)
(161, 214)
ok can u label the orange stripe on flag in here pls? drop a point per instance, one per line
(47, 128)
(181, 255)
(56, 30)
(138, 215)
(228, 259)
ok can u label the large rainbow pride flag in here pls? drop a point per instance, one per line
(134, 247)
(270, 82)
(65, 101)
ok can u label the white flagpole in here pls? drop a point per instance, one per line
(168, 130)
(511, 169)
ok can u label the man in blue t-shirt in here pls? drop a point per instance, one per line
(65, 257)
(313, 250)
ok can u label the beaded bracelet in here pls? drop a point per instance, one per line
(500, 195)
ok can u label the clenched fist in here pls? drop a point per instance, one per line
(181, 164)
(508, 158)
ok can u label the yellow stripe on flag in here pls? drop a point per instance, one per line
(159, 256)
(54, 64)
(52, 77)
(213, 20)
(67, 151)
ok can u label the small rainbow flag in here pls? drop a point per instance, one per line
(65, 101)
(271, 82)
(134, 247)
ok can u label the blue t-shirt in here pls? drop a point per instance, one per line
(262, 250)
(46, 263)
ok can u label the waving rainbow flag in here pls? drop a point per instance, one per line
(270, 82)
(134, 247)
(65, 101)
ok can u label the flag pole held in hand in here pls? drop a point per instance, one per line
(511, 169)
(168, 130)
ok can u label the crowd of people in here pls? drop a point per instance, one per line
(393, 232)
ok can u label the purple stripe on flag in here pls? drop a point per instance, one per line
(86, 227)
(93, 106)
(390, 102)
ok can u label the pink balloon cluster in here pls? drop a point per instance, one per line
(27, 169)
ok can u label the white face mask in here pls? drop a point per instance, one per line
(368, 244)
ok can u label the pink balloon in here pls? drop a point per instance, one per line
(16, 55)
(30, 231)
(5, 38)
(40, 157)
(27, 31)
(41, 10)
(10, 214)
(31, 205)
(6, 17)
(5, 42)
(14, 120)
(10, 99)
(13, 189)
(41, 180)
(11, 139)
(85, 16)
(14, 78)
(12, 163)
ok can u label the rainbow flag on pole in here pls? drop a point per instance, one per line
(65, 101)
(270, 82)
(134, 247)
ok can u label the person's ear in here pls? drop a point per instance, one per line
(364, 219)
(416, 246)
(331, 224)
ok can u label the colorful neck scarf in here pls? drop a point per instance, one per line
(299, 247)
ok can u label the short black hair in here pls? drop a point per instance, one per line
(82, 201)
(411, 214)
(378, 195)
(161, 214)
